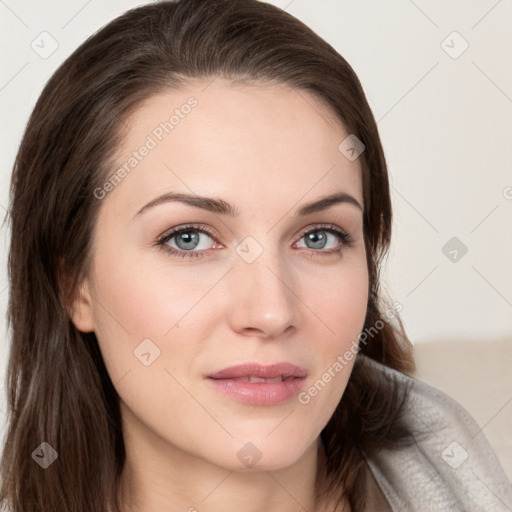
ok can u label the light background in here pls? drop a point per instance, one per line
(444, 120)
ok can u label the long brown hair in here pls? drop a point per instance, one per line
(58, 388)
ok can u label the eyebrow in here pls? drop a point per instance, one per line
(224, 208)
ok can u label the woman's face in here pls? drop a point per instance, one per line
(255, 280)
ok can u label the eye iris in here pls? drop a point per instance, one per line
(318, 238)
(190, 238)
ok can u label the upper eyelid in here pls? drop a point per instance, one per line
(176, 231)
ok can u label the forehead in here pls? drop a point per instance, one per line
(218, 136)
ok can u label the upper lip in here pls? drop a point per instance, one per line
(257, 370)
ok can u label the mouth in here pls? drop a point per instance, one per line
(255, 384)
(256, 370)
(252, 379)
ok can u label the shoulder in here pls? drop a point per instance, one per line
(449, 466)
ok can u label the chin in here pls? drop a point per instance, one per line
(262, 454)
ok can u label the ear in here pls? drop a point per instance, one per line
(81, 310)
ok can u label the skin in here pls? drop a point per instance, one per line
(267, 150)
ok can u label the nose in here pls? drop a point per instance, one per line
(264, 300)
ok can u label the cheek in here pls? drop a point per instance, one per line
(137, 300)
(349, 307)
(341, 310)
(340, 300)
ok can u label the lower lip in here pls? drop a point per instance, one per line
(259, 393)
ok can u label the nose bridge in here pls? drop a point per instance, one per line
(264, 299)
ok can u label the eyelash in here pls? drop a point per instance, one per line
(345, 239)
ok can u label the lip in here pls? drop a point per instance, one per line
(257, 370)
(233, 381)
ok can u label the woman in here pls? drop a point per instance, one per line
(199, 208)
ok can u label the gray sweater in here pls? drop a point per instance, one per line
(450, 468)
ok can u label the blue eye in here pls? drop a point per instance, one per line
(187, 240)
(318, 238)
